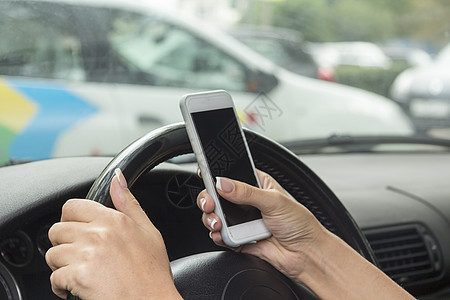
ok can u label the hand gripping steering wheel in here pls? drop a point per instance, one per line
(225, 274)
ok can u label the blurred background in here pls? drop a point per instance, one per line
(392, 48)
(382, 37)
(88, 77)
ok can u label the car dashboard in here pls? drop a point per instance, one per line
(401, 201)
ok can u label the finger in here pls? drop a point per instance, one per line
(212, 222)
(59, 280)
(199, 173)
(81, 210)
(125, 202)
(267, 182)
(59, 256)
(65, 232)
(242, 193)
(205, 202)
(217, 239)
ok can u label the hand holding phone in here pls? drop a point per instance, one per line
(221, 150)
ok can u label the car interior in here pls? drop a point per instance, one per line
(392, 208)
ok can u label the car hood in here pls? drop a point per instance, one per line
(320, 109)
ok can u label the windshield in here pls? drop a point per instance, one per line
(89, 77)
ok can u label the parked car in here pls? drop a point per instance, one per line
(424, 93)
(409, 55)
(117, 70)
(283, 46)
(361, 54)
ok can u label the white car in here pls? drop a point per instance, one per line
(361, 54)
(121, 71)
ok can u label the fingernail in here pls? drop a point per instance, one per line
(199, 173)
(202, 203)
(121, 178)
(210, 234)
(224, 185)
(212, 222)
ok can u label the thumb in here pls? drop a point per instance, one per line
(242, 193)
(124, 201)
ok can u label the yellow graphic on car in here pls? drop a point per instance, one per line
(15, 114)
(15, 110)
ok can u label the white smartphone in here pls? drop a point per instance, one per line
(221, 150)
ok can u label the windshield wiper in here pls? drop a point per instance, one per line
(13, 162)
(348, 143)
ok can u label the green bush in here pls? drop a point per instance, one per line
(377, 80)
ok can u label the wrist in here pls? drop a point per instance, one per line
(173, 295)
(315, 257)
(326, 264)
(334, 270)
(160, 290)
(165, 294)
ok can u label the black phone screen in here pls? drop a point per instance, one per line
(226, 156)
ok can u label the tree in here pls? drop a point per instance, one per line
(307, 16)
(357, 20)
(362, 20)
(335, 20)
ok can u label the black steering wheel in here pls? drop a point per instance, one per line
(225, 274)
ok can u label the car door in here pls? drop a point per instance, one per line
(47, 105)
(171, 61)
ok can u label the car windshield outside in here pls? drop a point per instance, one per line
(88, 77)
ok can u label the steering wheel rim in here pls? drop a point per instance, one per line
(302, 183)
